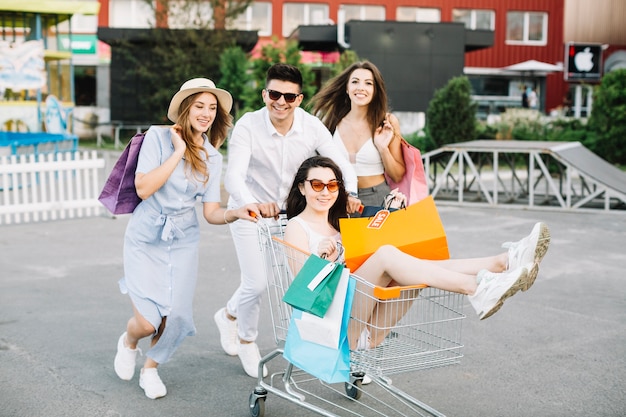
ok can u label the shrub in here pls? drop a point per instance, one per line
(422, 141)
(235, 77)
(451, 114)
(485, 130)
(608, 117)
(520, 124)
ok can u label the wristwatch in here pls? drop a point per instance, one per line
(353, 194)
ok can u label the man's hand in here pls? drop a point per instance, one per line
(354, 205)
(269, 209)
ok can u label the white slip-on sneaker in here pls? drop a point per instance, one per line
(151, 383)
(250, 358)
(529, 250)
(228, 332)
(125, 359)
(494, 288)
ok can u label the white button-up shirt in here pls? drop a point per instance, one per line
(262, 163)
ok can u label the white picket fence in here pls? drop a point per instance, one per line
(49, 186)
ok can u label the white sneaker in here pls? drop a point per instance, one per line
(125, 359)
(364, 340)
(494, 288)
(151, 383)
(228, 332)
(366, 380)
(529, 250)
(250, 358)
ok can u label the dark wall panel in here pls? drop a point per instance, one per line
(415, 58)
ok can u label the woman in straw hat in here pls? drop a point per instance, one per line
(177, 164)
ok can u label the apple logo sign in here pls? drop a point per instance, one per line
(584, 60)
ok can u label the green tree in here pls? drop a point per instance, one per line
(159, 59)
(608, 117)
(234, 76)
(347, 58)
(451, 114)
(273, 53)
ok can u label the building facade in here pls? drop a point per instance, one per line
(523, 31)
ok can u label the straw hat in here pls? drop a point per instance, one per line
(198, 85)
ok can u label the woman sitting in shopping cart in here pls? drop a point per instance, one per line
(316, 202)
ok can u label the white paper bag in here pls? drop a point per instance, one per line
(326, 330)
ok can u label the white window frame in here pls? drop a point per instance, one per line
(200, 13)
(306, 17)
(80, 24)
(473, 18)
(247, 19)
(526, 29)
(137, 14)
(416, 13)
(362, 10)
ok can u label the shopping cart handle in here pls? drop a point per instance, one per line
(253, 214)
(386, 293)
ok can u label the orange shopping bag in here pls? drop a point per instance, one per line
(416, 230)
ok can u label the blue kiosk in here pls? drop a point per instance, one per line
(37, 75)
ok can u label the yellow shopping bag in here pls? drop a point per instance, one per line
(416, 230)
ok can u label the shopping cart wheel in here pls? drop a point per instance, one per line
(257, 402)
(353, 388)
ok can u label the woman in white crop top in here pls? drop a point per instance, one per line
(353, 106)
(316, 201)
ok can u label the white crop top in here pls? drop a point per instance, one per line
(314, 237)
(367, 161)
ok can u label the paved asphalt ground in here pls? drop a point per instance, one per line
(557, 350)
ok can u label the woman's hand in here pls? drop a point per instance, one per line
(248, 212)
(383, 135)
(328, 247)
(395, 199)
(177, 140)
(388, 141)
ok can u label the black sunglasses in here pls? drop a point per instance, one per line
(275, 95)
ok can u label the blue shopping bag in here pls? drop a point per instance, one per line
(328, 364)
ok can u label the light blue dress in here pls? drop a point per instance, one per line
(161, 243)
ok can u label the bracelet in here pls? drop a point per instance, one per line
(225, 221)
(353, 194)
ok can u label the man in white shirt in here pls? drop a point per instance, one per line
(264, 152)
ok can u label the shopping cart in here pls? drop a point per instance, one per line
(417, 328)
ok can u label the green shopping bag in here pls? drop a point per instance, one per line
(313, 288)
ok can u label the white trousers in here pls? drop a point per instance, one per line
(245, 303)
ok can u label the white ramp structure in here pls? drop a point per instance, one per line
(525, 174)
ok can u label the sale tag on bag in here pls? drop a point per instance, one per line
(379, 219)
(416, 230)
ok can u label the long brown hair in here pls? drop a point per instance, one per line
(196, 155)
(296, 202)
(332, 103)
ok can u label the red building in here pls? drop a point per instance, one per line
(523, 30)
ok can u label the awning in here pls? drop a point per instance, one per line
(533, 66)
(61, 7)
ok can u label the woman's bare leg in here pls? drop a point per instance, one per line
(389, 266)
(497, 263)
(137, 328)
(150, 363)
(389, 263)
